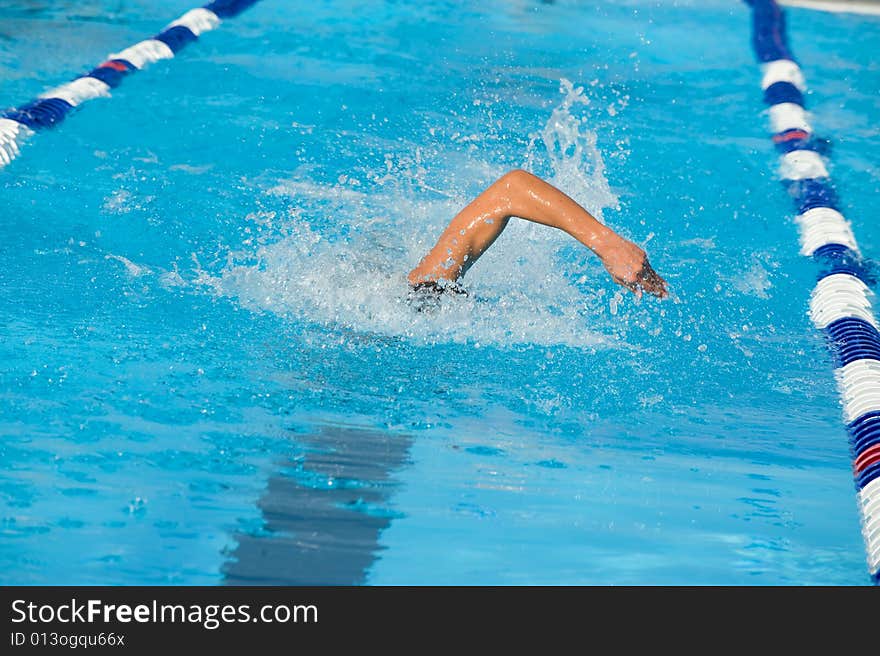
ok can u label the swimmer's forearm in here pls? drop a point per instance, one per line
(520, 194)
(590, 232)
(596, 236)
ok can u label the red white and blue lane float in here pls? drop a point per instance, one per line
(841, 303)
(17, 125)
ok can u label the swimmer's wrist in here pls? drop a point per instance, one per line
(602, 240)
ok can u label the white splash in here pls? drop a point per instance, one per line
(755, 281)
(345, 253)
(577, 164)
(132, 269)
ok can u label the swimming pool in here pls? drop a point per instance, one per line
(209, 371)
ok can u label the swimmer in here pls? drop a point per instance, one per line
(523, 195)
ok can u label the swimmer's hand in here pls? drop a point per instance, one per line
(629, 267)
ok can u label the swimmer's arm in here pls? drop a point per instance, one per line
(526, 196)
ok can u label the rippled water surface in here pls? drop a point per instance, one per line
(210, 374)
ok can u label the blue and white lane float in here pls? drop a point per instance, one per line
(841, 303)
(51, 107)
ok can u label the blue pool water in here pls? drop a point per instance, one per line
(208, 371)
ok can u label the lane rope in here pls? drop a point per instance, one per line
(841, 303)
(50, 108)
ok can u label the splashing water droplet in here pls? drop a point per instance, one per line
(344, 254)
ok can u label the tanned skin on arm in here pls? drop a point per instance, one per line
(523, 195)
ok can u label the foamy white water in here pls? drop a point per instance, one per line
(520, 292)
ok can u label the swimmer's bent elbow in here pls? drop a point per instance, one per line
(517, 178)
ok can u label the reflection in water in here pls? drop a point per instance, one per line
(324, 514)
